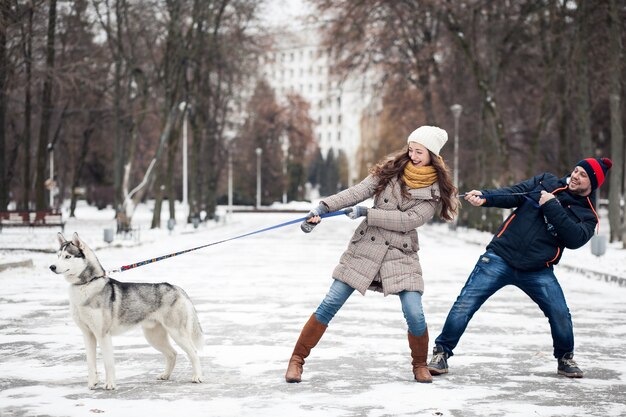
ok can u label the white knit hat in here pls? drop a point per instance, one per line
(431, 137)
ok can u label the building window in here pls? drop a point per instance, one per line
(338, 136)
(339, 119)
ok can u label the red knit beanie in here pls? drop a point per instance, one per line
(596, 169)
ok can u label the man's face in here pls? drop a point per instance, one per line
(579, 182)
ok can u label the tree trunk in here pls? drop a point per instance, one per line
(617, 218)
(4, 61)
(493, 122)
(46, 111)
(28, 54)
(80, 164)
(169, 180)
(118, 157)
(158, 198)
(581, 86)
(194, 169)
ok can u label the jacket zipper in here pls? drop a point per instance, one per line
(506, 225)
(558, 251)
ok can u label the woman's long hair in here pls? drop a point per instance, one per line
(393, 167)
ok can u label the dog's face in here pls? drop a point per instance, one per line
(71, 259)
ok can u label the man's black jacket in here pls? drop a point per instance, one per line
(534, 237)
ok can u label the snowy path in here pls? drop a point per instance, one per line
(254, 294)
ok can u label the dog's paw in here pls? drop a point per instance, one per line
(164, 376)
(196, 379)
(110, 385)
(93, 383)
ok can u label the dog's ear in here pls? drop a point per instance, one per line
(76, 241)
(61, 238)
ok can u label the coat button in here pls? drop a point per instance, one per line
(387, 243)
(386, 200)
(362, 232)
(398, 206)
(373, 238)
(405, 246)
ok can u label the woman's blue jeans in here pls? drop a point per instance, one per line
(339, 292)
(492, 273)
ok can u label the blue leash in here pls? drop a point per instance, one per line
(525, 195)
(171, 255)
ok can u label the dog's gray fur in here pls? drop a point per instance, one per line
(103, 307)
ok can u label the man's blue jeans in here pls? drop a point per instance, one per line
(339, 292)
(492, 273)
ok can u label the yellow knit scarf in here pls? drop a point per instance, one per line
(418, 177)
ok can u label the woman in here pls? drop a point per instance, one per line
(382, 254)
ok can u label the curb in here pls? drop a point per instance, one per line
(22, 264)
(601, 276)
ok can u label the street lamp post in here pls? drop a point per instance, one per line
(259, 152)
(183, 107)
(285, 146)
(51, 153)
(230, 182)
(456, 112)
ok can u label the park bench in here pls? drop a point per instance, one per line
(41, 218)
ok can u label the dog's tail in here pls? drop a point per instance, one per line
(194, 328)
(196, 333)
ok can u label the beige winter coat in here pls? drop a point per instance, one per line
(383, 249)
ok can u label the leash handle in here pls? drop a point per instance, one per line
(171, 255)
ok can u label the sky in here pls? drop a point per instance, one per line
(284, 12)
(254, 294)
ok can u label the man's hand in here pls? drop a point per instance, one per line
(545, 197)
(475, 198)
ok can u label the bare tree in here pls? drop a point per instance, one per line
(388, 39)
(617, 218)
(582, 73)
(27, 49)
(5, 6)
(174, 66)
(222, 61)
(302, 147)
(489, 34)
(264, 127)
(46, 109)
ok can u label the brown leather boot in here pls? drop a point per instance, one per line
(419, 353)
(309, 336)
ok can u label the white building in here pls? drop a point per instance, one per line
(299, 64)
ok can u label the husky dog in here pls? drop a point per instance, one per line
(103, 307)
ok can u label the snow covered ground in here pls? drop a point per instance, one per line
(254, 294)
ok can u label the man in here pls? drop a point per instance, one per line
(551, 214)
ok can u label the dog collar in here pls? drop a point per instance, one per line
(90, 281)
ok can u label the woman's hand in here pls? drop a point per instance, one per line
(313, 218)
(356, 212)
